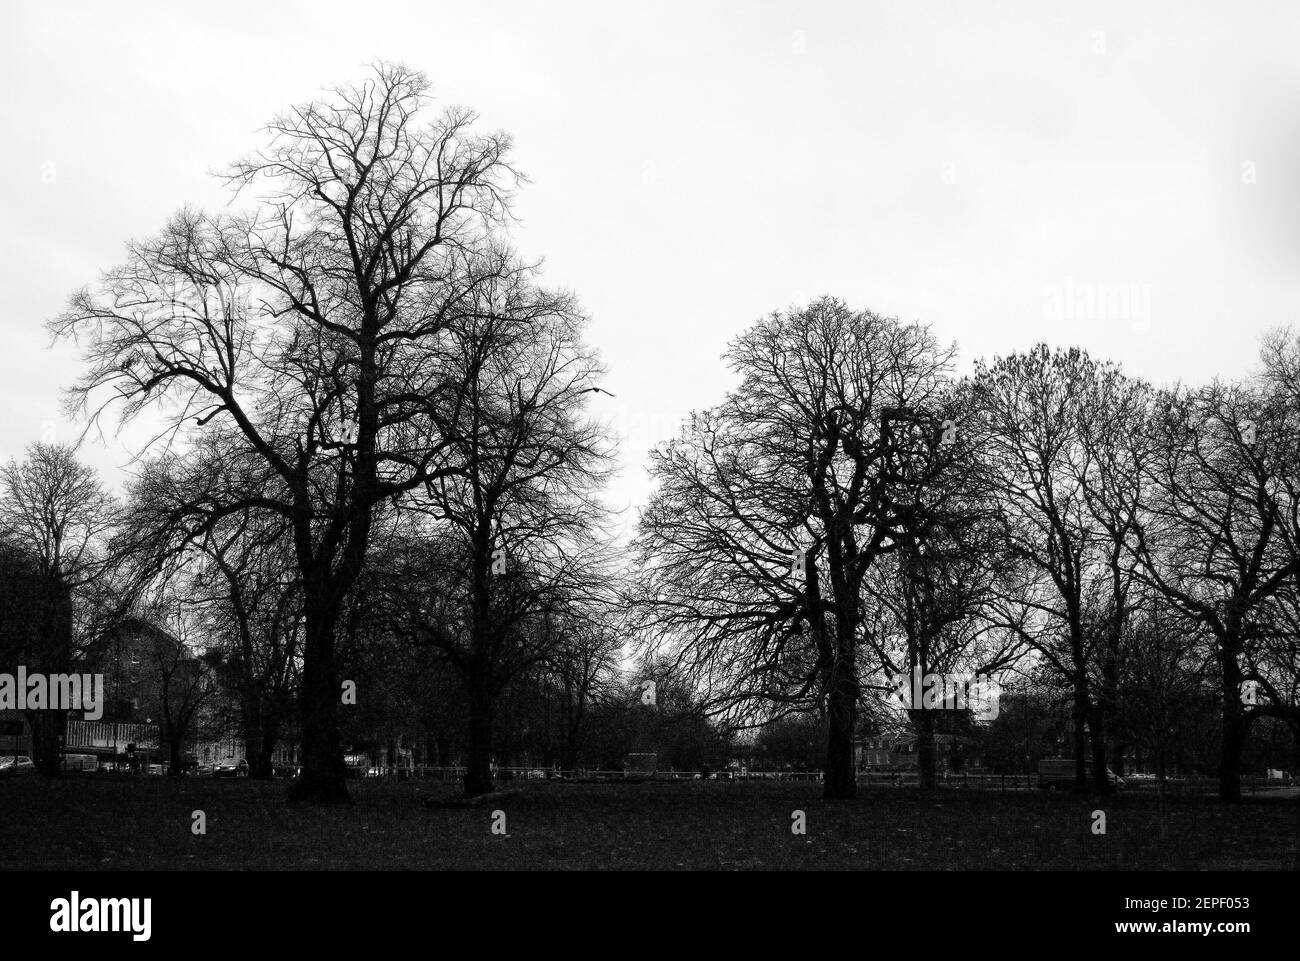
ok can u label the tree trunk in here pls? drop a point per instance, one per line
(175, 742)
(478, 770)
(1233, 734)
(1108, 697)
(46, 727)
(1117, 749)
(323, 771)
(569, 751)
(1109, 712)
(253, 720)
(925, 748)
(1080, 717)
(259, 765)
(841, 781)
(1097, 727)
(259, 747)
(53, 657)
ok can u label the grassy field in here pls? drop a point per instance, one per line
(111, 822)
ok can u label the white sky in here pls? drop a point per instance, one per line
(988, 168)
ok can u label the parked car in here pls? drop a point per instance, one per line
(17, 764)
(356, 765)
(231, 768)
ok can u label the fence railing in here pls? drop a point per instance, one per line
(454, 773)
(880, 778)
(980, 781)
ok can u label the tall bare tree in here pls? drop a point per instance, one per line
(1034, 414)
(931, 599)
(581, 669)
(1220, 532)
(514, 537)
(311, 330)
(769, 513)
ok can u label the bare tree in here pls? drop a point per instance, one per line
(1117, 441)
(514, 537)
(1162, 674)
(1274, 664)
(1035, 411)
(1221, 529)
(240, 574)
(310, 330)
(181, 669)
(1271, 662)
(931, 599)
(57, 520)
(581, 668)
(770, 512)
(54, 509)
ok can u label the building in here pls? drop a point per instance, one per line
(109, 741)
(137, 661)
(230, 749)
(900, 753)
(873, 753)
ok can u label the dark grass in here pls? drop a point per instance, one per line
(112, 822)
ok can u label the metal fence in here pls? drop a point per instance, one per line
(453, 773)
(976, 781)
(871, 779)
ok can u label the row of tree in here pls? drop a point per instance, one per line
(852, 516)
(373, 443)
(205, 632)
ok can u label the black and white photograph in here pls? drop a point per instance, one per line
(756, 439)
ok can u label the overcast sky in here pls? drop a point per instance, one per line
(1127, 180)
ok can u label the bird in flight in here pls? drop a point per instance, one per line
(589, 390)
